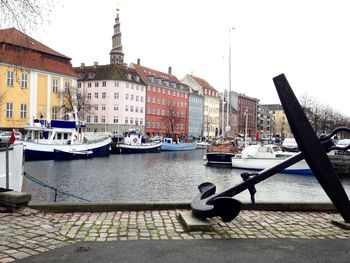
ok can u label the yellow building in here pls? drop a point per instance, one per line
(281, 125)
(33, 80)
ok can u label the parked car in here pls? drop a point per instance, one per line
(342, 143)
(6, 135)
(290, 145)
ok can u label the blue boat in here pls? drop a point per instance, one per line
(44, 137)
(169, 144)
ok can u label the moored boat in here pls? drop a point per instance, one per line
(202, 145)
(133, 142)
(15, 167)
(44, 137)
(220, 152)
(257, 157)
(169, 144)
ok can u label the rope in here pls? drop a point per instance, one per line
(55, 189)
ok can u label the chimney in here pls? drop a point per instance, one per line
(82, 65)
(169, 70)
(95, 64)
(138, 61)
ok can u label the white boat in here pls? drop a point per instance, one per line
(257, 157)
(15, 171)
(43, 138)
(202, 145)
(133, 142)
(169, 144)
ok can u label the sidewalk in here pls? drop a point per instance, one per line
(31, 232)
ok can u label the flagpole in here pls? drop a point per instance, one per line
(246, 128)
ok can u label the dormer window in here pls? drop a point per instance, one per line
(128, 76)
(151, 78)
(166, 83)
(173, 84)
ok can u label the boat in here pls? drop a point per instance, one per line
(72, 154)
(202, 145)
(15, 167)
(133, 142)
(258, 157)
(221, 151)
(44, 137)
(170, 144)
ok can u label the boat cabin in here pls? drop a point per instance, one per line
(133, 138)
(55, 132)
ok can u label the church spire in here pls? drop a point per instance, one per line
(116, 54)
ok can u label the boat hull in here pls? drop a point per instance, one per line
(37, 151)
(15, 167)
(130, 149)
(222, 158)
(62, 155)
(178, 146)
(258, 164)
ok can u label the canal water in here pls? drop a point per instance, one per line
(165, 176)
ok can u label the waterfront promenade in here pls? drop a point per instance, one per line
(29, 232)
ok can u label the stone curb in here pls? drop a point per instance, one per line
(138, 206)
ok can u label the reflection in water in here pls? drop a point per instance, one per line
(165, 176)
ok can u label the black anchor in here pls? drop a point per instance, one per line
(313, 149)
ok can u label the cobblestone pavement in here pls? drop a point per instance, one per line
(31, 232)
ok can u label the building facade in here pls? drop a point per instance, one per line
(266, 122)
(211, 104)
(166, 102)
(33, 80)
(195, 114)
(281, 125)
(115, 98)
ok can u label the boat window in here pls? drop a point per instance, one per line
(65, 136)
(276, 149)
(59, 136)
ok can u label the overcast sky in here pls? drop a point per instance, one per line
(309, 41)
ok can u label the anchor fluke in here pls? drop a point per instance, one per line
(227, 208)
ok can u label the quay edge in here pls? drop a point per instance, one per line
(139, 206)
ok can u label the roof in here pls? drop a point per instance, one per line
(145, 72)
(108, 72)
(204, 84)
(17, 38)
(20, 50)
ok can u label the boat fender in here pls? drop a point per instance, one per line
(75, 137)
(134, 140)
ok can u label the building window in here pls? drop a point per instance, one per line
(126, 96)
(116, 95)
(148, 99)
(104, 84)
(116, 107)
(103, 106)
(141, 99)
(89, 85)
(103, 95)
(116, 84)
(89, 96)
(131, 108)
(136, 109)
(141, 109)
(126, 120)
(10, 78)
(96, 84)
(54, 85)
(131, 97)
(131, 120)
(115, 119)
(24, 82)
(103, 119)
(66, 87)
(9, 110)
(23, 111)
(126, 107)
(141, 121)
(137, 98)
(79, 85)
(54, 113)
(88, 119)
(96, 95)
(95, 119)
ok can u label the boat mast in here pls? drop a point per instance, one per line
(228, 108)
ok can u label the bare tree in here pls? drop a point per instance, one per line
(24, 14)
(80, 102)
(173, 118)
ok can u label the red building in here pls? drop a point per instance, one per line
(247, 115)
(166, 102)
